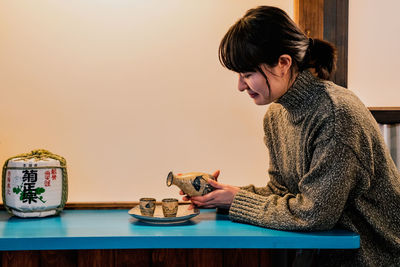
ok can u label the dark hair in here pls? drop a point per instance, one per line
(265, 33)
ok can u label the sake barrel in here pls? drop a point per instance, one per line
(35, 184)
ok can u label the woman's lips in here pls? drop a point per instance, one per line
(253, 95)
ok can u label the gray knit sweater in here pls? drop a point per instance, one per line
(329, 167)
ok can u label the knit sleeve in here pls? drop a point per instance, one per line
(323, 192)
(274, 186)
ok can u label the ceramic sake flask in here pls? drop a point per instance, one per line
(191, 183)
(35, 184)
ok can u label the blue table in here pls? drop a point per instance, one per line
(116, 229)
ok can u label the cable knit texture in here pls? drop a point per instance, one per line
(329, 167)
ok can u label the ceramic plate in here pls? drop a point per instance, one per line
(183, 215)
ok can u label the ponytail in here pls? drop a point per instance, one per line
(321, 56)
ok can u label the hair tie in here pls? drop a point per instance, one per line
(310, 42)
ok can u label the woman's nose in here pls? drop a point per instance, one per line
(242, 85)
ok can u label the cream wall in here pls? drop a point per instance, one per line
(374, 51)
(127, 90)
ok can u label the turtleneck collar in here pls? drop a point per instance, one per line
(300, 96)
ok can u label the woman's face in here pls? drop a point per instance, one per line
(256, 86)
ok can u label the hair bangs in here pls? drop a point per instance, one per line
(235, 50)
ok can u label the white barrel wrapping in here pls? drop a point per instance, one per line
(34, 187)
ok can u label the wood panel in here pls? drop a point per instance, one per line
(310, 17)
(58, 258)
(95, 258)
(336, 17)
(327, 20)
(149, 258)
(242, 257)
(132, 257)
(100, 205)
(205, 258)
(264, 257)
(21, 258)
(386, 115)
(169, 257)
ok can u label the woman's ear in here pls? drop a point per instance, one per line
(284, 64)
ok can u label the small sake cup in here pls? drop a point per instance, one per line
(147, 206)
(170, 207)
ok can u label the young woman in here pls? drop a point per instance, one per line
(329, 166)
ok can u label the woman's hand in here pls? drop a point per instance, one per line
(221, 197)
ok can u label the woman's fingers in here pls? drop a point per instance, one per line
(216, 174)
(186, 197)
(201, 199)
(215, 184)
(204, 200)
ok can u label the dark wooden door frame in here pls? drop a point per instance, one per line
(328, 20)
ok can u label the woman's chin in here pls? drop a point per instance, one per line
(260, 102)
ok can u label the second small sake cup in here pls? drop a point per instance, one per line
(147, 206)
(170, 207)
